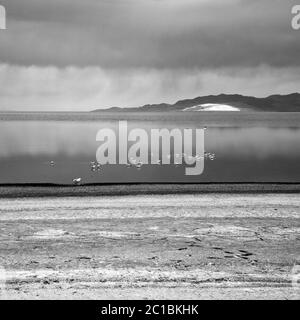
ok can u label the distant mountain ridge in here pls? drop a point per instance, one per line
(273, 103)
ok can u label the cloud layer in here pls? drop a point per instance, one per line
(74, 54)
(72, 88)
(150, 33)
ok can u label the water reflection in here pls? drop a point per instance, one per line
(64, 152)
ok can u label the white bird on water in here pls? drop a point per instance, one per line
(77, 181)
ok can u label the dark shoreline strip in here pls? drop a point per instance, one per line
(31, 190)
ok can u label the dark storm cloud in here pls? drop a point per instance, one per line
(150, 33)
(85, 54)
(72, 88)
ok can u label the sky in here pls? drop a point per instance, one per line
(59, 55)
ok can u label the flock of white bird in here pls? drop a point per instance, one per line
(133, 163)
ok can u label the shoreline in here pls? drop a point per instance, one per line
(52, 190)
(209, 119)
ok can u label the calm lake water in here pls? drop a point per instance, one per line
(56, 148)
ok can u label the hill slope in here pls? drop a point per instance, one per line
(273, 103)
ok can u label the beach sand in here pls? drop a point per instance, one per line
(150, 246)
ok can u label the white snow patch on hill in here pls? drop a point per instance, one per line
(212, 107)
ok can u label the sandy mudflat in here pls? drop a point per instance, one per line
(167, 246)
